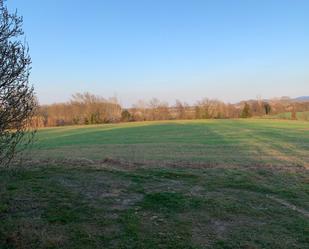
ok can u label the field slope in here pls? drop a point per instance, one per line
(175, 184)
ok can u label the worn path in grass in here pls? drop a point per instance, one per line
(190, 184)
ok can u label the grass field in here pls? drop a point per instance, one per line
(175, 184)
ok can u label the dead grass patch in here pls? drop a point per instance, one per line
(29, 233)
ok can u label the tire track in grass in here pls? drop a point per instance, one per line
(289, 205)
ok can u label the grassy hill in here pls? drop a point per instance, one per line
(210, 142)
(175, 184)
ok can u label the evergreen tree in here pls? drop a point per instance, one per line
(246, 111)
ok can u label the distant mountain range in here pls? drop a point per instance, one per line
(302, 98)
(283, 98)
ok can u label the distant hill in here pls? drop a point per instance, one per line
(302, 98)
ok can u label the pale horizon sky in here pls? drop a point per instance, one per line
(168, 49)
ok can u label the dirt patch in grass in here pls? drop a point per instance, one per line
(29, 233)
(125, 202)
(207, 234)
(110, 163)
(102, 190)
(28, 207)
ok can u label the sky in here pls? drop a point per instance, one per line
(169, 49)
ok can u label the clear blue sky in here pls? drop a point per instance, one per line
(170, 49)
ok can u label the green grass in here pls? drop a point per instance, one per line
(177, 184)
(213, 142)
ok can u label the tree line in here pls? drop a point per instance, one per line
(87, 108)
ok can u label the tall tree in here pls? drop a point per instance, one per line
(17, 100)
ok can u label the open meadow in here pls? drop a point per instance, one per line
(240, 183)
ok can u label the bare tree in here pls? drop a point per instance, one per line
(180, 110)
(17, 100)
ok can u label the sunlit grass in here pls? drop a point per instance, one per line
(173, 184)
(265, 142)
